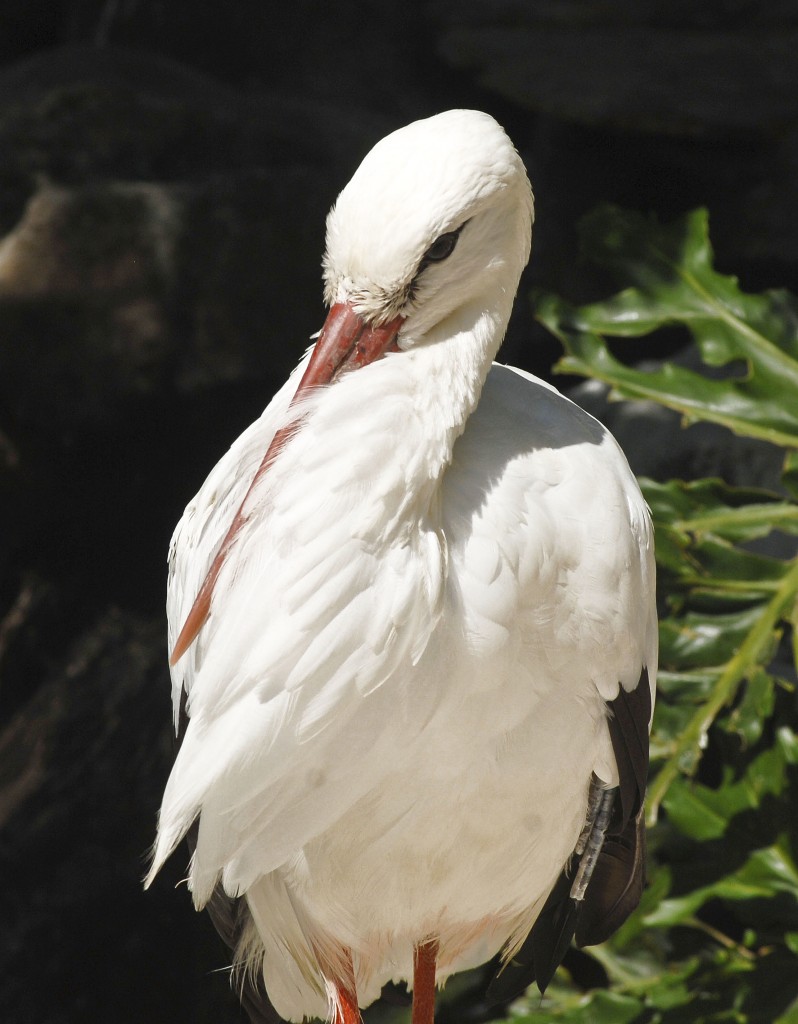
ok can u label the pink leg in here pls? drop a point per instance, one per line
(424, 959)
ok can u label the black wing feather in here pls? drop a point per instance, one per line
(628, 723)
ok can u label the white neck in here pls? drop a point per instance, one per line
(446, 374)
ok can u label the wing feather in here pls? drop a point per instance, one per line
(202, 527)
(629, 722)
(320, 608)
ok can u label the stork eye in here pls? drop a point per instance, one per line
(441, 248)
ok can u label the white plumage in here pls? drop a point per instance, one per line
(398, 698)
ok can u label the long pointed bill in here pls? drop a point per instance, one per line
(346, 342)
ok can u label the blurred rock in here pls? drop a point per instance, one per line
(116, 238)
(81, 766)
(97, 263)
(656, 66)
(162, 232)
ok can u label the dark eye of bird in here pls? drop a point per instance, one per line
(442, 247)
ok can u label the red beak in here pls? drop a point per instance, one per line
(346, 342)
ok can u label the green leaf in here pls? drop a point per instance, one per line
(753, 337)
(597, 1007)
(711, 507)
(764, 874)
(755, 648)
(754, 709)
(790, 473)
(696, 640)
(701, 812)
(790, 1015)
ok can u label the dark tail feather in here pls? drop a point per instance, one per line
(543, 949)
(616, 886)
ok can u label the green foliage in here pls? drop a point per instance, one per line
(672, 281)
(716, 936)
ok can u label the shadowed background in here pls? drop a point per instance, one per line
(165, 171)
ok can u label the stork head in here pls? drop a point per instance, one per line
(437, 219)
(437, 214)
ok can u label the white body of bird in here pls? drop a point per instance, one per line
(399, 695)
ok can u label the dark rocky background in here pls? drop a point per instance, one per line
(165, 169)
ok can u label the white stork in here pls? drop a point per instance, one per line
(419, 639)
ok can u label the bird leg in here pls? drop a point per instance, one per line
(592, 838)
(424, 962)
(594, 798)
(346, 1008)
